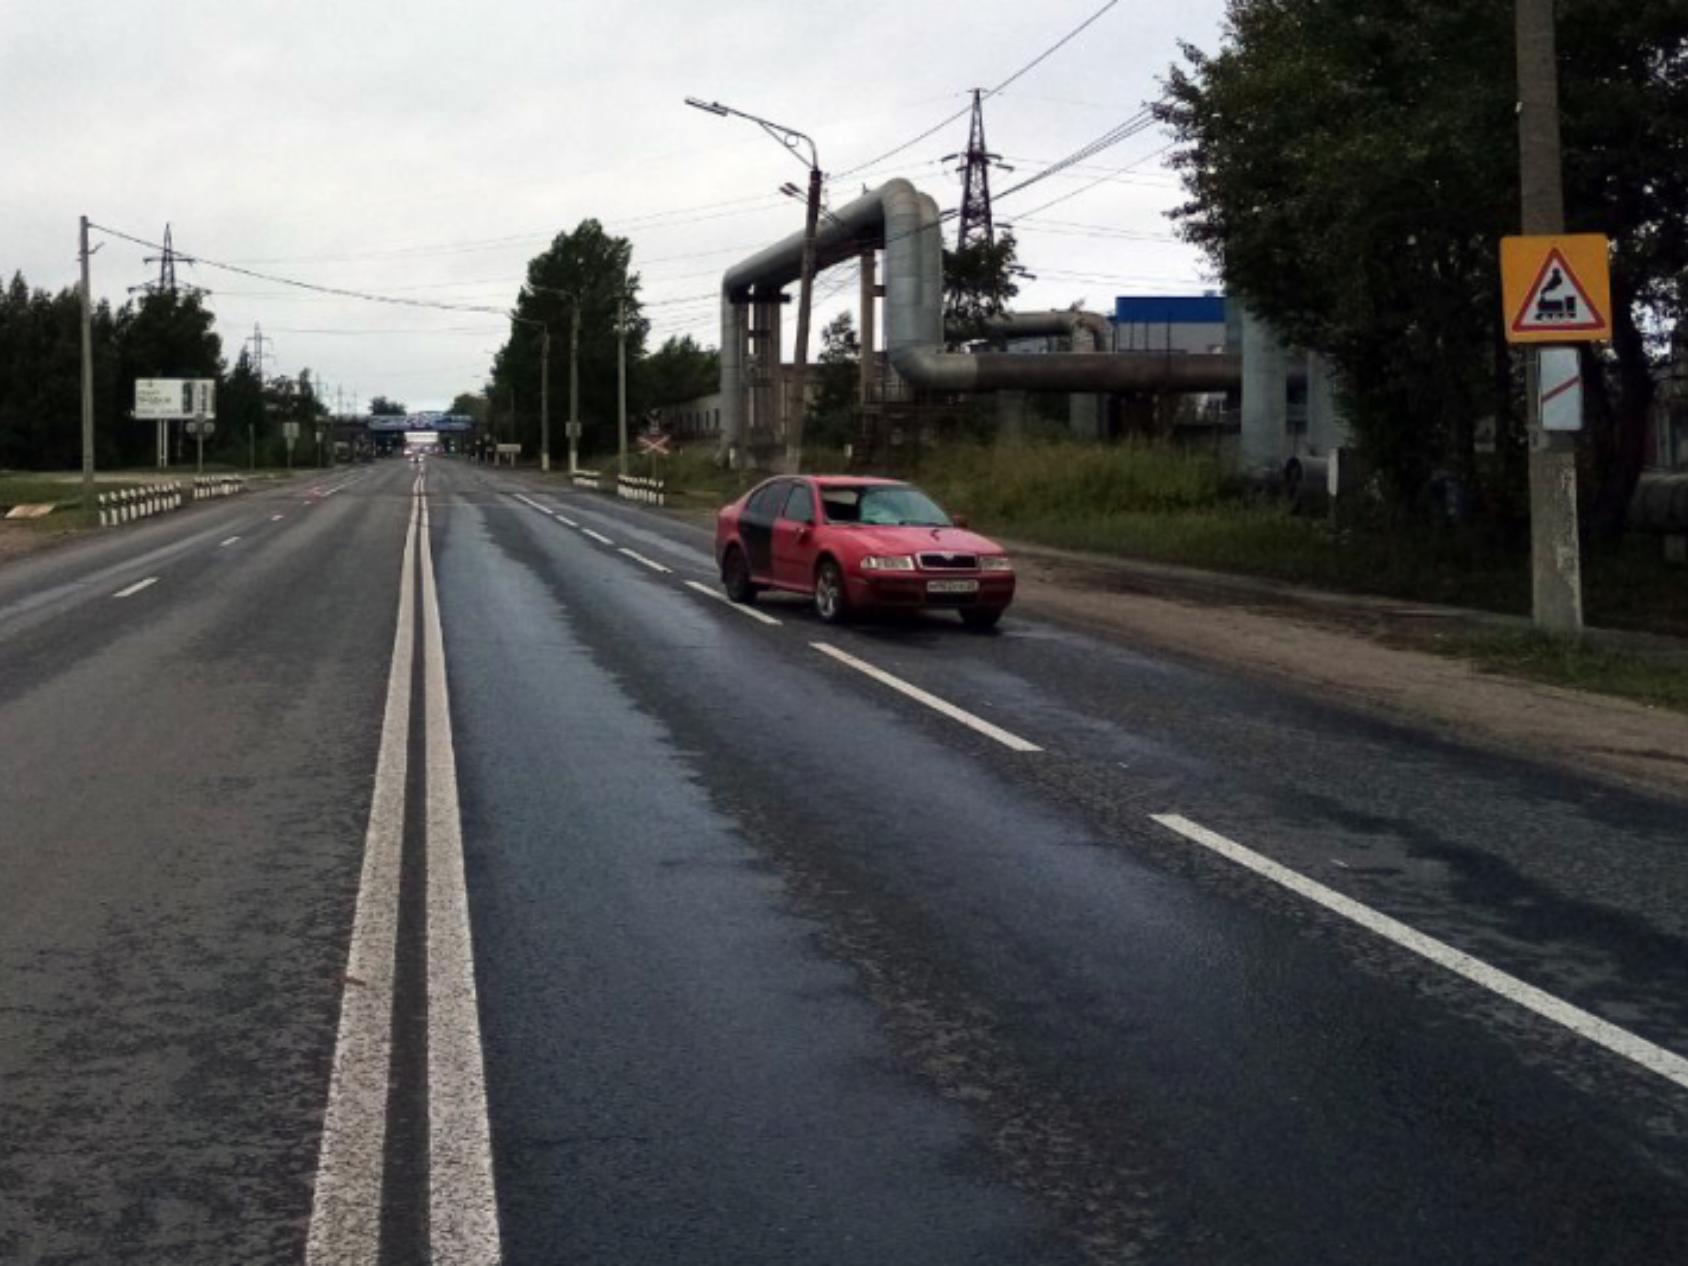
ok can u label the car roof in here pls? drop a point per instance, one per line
(835, 481)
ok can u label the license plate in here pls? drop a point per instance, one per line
(952, 586)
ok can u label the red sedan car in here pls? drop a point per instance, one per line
(858, 544)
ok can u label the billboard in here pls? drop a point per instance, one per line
(164, 399)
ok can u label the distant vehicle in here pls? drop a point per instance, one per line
(857, 545)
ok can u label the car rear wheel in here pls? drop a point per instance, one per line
(981, 619)
(735, 576)
(831, 602)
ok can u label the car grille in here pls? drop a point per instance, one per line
(949, 562)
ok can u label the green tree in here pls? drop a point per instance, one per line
(677, 371)
(41, 379)
(978, 284)
(469, 404)
(382, 407)
(593, 267)
(1351, 165)
(836, 384)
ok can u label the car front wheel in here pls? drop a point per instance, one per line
(831, 602)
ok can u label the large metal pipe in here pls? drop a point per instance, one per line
(907, 224)
(1075, 324)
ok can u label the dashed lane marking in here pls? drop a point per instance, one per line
(1667, 1064)
(277, 518)
(227, 543)
(597, 536)
(651, 563)
(944, 706)
(135, 588)
(760, 617)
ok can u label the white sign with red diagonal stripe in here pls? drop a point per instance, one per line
(1561, 389)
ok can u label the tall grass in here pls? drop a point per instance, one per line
(1061, 481)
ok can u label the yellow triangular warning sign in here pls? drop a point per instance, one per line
(1557, 302)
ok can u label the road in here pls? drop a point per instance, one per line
(401, 868)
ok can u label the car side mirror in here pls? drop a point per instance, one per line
(960, 520)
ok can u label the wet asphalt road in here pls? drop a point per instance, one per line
(775, 964)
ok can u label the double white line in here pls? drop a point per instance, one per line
(462, 1207)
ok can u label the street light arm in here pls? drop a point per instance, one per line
(789, 138)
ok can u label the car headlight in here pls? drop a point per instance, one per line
(888, 562)
(995, 562)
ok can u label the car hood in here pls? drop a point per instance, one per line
(913, 540)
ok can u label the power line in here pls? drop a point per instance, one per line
(1073, 193)
(1142, 121)
(342, 292)
(967, 109)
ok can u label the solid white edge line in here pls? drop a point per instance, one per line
(648, 562)
(740, 607)
(227, 543)
(597, 536)
(345, 1227)
(1667, 1064)
(978, 724)
(135, 588)
(462, 1198)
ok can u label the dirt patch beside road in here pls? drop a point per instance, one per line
(1347, 652)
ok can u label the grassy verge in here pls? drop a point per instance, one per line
(1659, 680)
(1153, 502)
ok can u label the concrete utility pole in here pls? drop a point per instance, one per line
(87, 374)
(574, 384)
(1555, 551)
(791, 139)
(545, 399)
(621, 381)
(805, 297)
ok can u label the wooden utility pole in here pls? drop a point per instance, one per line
(1555, 550)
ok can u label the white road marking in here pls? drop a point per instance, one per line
(979, 724)
(135, 588)
(740, 607)
(462, 1202)
(227, 543)
(651, 563)
(346, 1206)
(1667, 1064)
(529, 502)
(277, 518)
(597, 536)
(563, 518)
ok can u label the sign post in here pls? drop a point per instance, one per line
(290, 434)
(1556, 293)
(167, 400)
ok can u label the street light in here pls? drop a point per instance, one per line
(790, 139)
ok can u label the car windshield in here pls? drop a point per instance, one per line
(883, 505)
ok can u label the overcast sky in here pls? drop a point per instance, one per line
(427, 149)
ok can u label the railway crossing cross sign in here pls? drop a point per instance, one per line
(1557, 288)
(654, 443)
